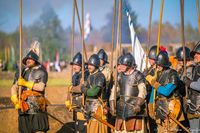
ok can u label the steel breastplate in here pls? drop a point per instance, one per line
(128, 86)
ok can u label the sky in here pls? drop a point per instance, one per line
(32, 9)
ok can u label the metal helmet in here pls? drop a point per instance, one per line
(94, 60)
(31, 55)
(195, 50)
(163, 59)
(102, 55)
(180, 55)
(77, 60)
(153, 52)
(128, 60)
(119, 60)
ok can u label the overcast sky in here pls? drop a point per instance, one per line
(9, 11)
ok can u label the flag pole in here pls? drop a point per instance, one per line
(183, 41)
(81, 29)
(20, 48)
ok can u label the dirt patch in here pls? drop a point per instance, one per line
(9, 119)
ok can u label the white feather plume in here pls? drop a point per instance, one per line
(35, 47)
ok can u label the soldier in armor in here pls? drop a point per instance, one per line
(106, 71)
(112, 98)
(180, 69)
(94, 89)
(32, 107)
(194, 89)
(76, 97)
(132, 92)
(151, 57)
(167, 102)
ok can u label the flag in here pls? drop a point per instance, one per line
(138, 52)
(87, 26)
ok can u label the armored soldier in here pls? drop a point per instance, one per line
(194, 89)
(106, 71)
(151, 57)
(112, 98)
(93, 89)
(32, 109)
(165, 83)
(151, 71)
(76, 97)
(180, 69)
(132, 93)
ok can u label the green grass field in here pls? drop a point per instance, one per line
(7, 83)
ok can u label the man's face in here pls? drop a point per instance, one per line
(91, 68)
(197, 58)
(30, 63)
(101, 62)
(152, 62)
(180, 63)
(76, 68)
(123, 68)
(159, 68)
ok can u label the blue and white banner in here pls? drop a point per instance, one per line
(137, 50)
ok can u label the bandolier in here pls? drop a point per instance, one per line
(32, 109)
(165, 83)
(132, 93)
(193, 103)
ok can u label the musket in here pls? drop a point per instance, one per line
(172, 118)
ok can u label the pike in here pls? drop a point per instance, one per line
(20, 49)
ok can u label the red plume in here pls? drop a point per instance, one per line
(162, 48)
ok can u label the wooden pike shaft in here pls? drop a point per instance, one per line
(20, 48)
(83, 49)
(158, 42)
(113, 35)
(149, 31)
(81, 28)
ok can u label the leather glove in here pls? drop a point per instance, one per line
(15, 101)
(138, 104)
(150, 79)
(137, 109)
(187, 81)
(156, 85)
(87, 115)
(22, 82)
